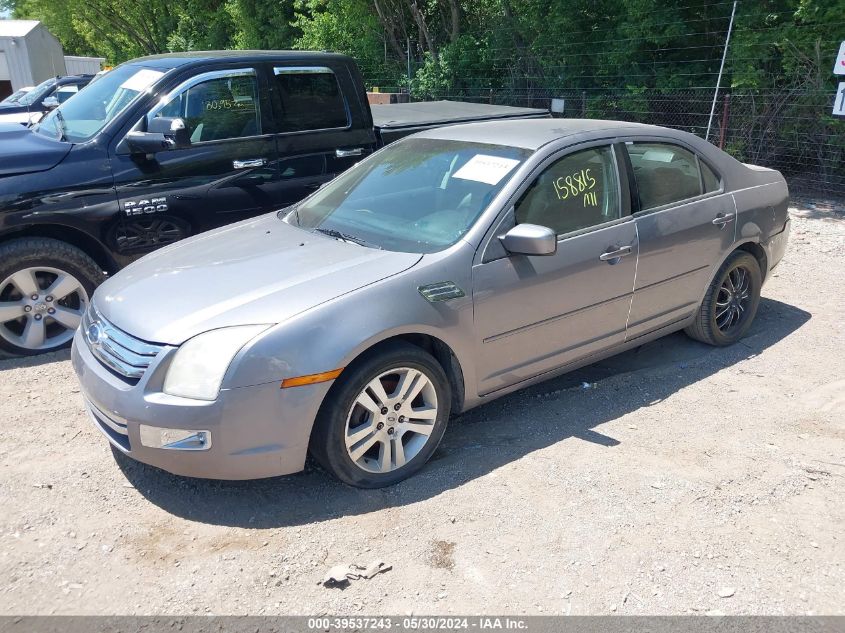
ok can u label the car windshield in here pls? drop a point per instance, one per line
(35, 95)
(79, 119)
(417, 195)
(14, 97)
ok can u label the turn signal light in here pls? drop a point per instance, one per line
(311, 379)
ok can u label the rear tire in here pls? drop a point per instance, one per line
(730, 303)
(45, 287)
(383, 418)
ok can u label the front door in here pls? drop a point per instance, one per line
(535, 314)
(685, 225)
(228, 172)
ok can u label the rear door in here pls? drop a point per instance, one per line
(228, 173)
(534, 314)
(322, 126)
(685, 224)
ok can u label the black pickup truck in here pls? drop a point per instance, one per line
(168, 146)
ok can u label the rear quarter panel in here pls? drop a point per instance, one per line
(763, 212)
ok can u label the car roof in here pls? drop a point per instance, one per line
(532, 134)
(175, 60)
(73, 79)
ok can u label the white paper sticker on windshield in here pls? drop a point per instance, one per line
(142, 80)
(484, 168)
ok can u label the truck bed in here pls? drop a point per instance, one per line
(395, 120)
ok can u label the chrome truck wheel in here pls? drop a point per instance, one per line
(45, 288)
(40, 308)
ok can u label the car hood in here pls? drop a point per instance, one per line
(259, 271)
(12, 108)
(23, 151)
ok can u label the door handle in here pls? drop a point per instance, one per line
(347, 153)
(723, 218)
(249, 163)
(609, 256)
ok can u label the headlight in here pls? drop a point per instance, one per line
(200, 363)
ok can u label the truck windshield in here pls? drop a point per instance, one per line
(417, 195)
(37, 93)
(79, 119)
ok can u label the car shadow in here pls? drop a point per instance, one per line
(9, 362)
(477, 442)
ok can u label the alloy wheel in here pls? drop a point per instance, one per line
(391, 420)
(40, 307)
(733, 299)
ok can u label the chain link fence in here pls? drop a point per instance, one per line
(791, 131)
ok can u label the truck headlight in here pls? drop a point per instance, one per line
(200, 363)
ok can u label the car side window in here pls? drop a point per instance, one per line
(665, 173)
(578, 191)
(709, 177)
(219, 108)
(66, 92)
(311, 99)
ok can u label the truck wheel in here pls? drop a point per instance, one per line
(383, 418)
(730, 303)
(45, 287)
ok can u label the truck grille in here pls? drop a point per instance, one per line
(122, 353)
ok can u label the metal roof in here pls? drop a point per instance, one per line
(17, 28)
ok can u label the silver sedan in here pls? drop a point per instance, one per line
(444, 271)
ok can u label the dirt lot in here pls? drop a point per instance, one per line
(684, 479)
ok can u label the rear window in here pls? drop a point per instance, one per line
(311, 99)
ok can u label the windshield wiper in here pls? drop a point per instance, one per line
(346, 238)
(60, 125)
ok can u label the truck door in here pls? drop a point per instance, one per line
(228, 172)
(323, 126)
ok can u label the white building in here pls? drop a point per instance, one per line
(29, 54)
(76, 65)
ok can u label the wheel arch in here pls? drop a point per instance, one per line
(69, 235)
(439, 349)
(759, 254)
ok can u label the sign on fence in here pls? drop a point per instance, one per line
(839, 68)
(839, 102)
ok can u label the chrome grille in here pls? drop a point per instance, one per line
(114, 348)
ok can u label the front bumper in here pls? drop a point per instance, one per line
(255, 432)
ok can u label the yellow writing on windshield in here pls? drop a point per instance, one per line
(576, 184)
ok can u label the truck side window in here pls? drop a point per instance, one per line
(311, 99)
(575, 192)
(219, 108)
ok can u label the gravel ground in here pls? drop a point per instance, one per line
(685, 479)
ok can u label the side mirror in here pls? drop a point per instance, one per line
(50, 103)
(163, 133)
(530, 239)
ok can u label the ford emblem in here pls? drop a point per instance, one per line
(94, 334)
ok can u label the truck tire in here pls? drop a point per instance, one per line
(730, 302)
(383, 418)
(45, 287)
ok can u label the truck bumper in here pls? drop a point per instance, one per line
(247, 433)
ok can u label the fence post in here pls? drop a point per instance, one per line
(726, 113)
(721, 69)
(583, 104)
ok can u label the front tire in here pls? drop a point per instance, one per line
(383, 418)
(730, 302)
(45, 287)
